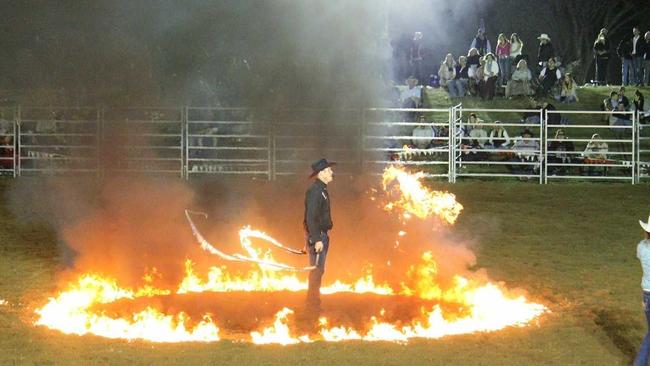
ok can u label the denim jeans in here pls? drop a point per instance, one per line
(457, 88)
(627, 71)
(504, 71)
(315, 276)
(644, 352)
(637, 75)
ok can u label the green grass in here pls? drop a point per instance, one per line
(571, 246)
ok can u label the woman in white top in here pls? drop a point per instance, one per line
(447, 70)
(490, 74)
(516, 47)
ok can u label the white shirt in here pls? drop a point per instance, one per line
(635, 40)
(491, 71)
(425, 134)
(411, 93)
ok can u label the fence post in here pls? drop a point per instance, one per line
(273, 152)
(18, 162)
(543, 138)
(634, 137)
(184, 142)
(362, 141)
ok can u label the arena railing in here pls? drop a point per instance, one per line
(8, 141)
(147, 140)
(388, 139)
(53, 140)
(302, 136)
(196, 141)
(592, 156)
(643, 151)
(228, 141)
(475, 157)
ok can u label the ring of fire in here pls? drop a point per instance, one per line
(418, 308)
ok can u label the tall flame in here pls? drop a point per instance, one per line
(414, 198)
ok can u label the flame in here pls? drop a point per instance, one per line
(3, 302)
(70, 313)
(416, 199)
(279, 333)
(474, 305)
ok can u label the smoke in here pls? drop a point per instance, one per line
(273, 57)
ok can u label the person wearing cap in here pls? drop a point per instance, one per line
(545, 51)
(481, 43)
(317, 222)
(643, 253)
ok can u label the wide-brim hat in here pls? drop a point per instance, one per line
(645, 225)
(319, 166)
(544, 36)
(411, 78)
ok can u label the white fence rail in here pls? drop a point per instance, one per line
(190, 142)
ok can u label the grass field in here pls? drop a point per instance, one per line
(572, 246)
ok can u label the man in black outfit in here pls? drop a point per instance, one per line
(317, 222)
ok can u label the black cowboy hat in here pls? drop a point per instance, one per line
(320, 165)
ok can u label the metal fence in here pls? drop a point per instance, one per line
(443, 143)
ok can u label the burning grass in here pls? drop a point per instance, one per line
(596, 317)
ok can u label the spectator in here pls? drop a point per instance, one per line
(569, 88)
(490, 73)
(646, 60)
(481, 43)
(596, 153)
(478, 136)
(639, 107)
(423, 134)
(499, 138)
(519, 84)
(545, 51)
(619, 119)
(549, 77)
(526, 150)
(459, 84)
(473, 63)
(638, 49)
(465, 129)
(624, 51)
(503, 55)
(601, 54)
(411, 97)
(610, 104)
(622, 99)
(557, 152)
(480, 73)
(447, 73)
(416, 56)
(516, 49)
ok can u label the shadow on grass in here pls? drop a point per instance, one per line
(619, 326)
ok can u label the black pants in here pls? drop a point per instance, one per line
(316, 275)
(601, 71)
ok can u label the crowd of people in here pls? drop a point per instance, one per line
(508, 70)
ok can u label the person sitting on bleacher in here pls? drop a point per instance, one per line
(526, 150)
(411, 97)
(519, 84)
(596, 153)
(447, 73)
(549, 77)
(423, 134)
(556, 153)
(499, 138)
(639, 106)
(568, 92)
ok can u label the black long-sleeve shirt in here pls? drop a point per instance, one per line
(317, 211)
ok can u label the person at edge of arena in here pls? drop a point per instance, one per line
(643, 253)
